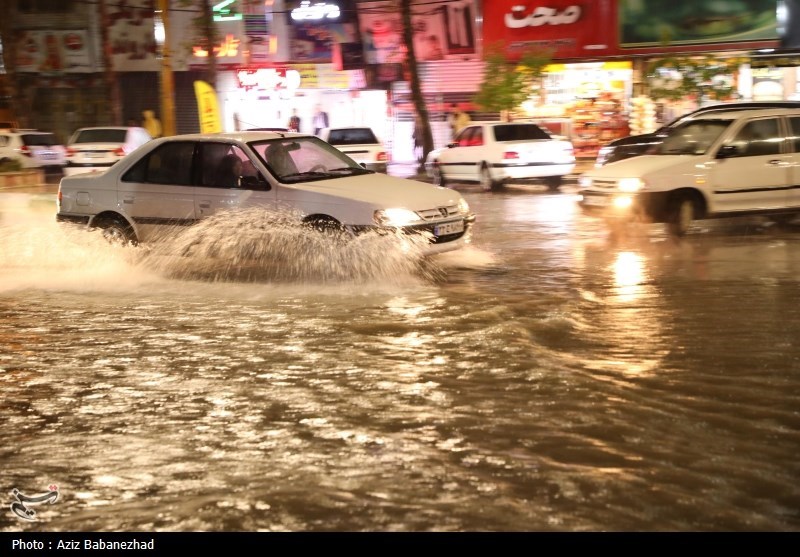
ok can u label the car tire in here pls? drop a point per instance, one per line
(438, 175)
(683, 211)
(117, 232)
(328, 227)
(553, 182)
(487, 183)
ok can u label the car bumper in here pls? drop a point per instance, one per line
(526, 171)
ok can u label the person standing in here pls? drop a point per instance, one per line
(294, 121)
(320, 120)
(151, 123)
(458, 119)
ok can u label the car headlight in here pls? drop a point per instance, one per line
(395, 217)
(463, 206)
(630, 185)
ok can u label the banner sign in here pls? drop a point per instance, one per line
(54, 52)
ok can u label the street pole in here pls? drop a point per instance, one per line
(167, 80)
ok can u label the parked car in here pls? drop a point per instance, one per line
(98, 148)
(635, 145)
(180, 180)
(358, 143)
(492, 153)
(32, 149)
(716, 165)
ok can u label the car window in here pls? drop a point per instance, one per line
(519, 132)
(170, 163)
(100, 136)
(794, 125)
(3, 140)
(464, 137)
(352, 136)
(305, 159)
(692, 138)
(39, 139)
(758, 138)
(223, 165)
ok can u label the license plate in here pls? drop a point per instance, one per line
(94, 154)
(448, 228)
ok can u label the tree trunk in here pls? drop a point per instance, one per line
(13, 89)
(416, 87)
(211, 36)
(112, 83)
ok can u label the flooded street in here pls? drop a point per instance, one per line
(551, 377)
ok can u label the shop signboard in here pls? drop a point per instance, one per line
(54, 52)
(319, 25)
(566, 28)
(440, 31)
(655, 23)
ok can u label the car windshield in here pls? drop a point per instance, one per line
(39, 139)
(100, 136)
(692, 138)
(352, 136)
(305, 159)
(519, 132)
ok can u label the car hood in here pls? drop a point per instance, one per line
(641, 166)
(384, 191)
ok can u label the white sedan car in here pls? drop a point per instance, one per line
(180, 180)
(96, 149)
(492, 153)
(360, 144)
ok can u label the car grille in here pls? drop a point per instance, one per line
(604, 185)
(438, 212)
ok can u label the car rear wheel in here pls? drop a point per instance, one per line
(553, 182)
(438, 175)
(117, 232)
(487, 183)
(683, 211)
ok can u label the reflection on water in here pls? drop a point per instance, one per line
(549, 378)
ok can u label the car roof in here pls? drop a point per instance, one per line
(748, 113)
(247, 135)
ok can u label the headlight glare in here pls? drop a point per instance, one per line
(395, 217)
(630, 184)
(585, 182)
(463, 206)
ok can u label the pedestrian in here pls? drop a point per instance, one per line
(151, 123)
(458, 119)
(294, 121)
(320, 120)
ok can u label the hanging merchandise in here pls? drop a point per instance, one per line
(642, 117)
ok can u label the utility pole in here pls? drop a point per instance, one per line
(167, 79)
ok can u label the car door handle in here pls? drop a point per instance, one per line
(777, 162)
(204, 204)
(128, 200)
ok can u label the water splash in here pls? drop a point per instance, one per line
(256, 244)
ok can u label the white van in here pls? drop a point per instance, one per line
(716, 165)
(182, 179)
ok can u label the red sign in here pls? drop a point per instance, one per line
(567, 28)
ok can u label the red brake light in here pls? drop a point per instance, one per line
(510, 155)
(70, 151)
(25, 150)
(381, 157)
(119, 151)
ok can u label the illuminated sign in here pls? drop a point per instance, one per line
(316, 11)
(541, 16)
(268, 79)
(228, 48)
(223, 13)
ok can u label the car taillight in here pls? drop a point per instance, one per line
(510, 155)
(25, 150)
(381, 157)
(71, 151)
(119, 151)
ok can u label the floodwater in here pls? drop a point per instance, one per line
(551, 377)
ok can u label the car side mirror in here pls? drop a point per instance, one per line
(727, 151)
(255, 183)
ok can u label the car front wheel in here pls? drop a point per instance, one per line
(553, 182)
(683, 211)
(438, 175)
(487, 183)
